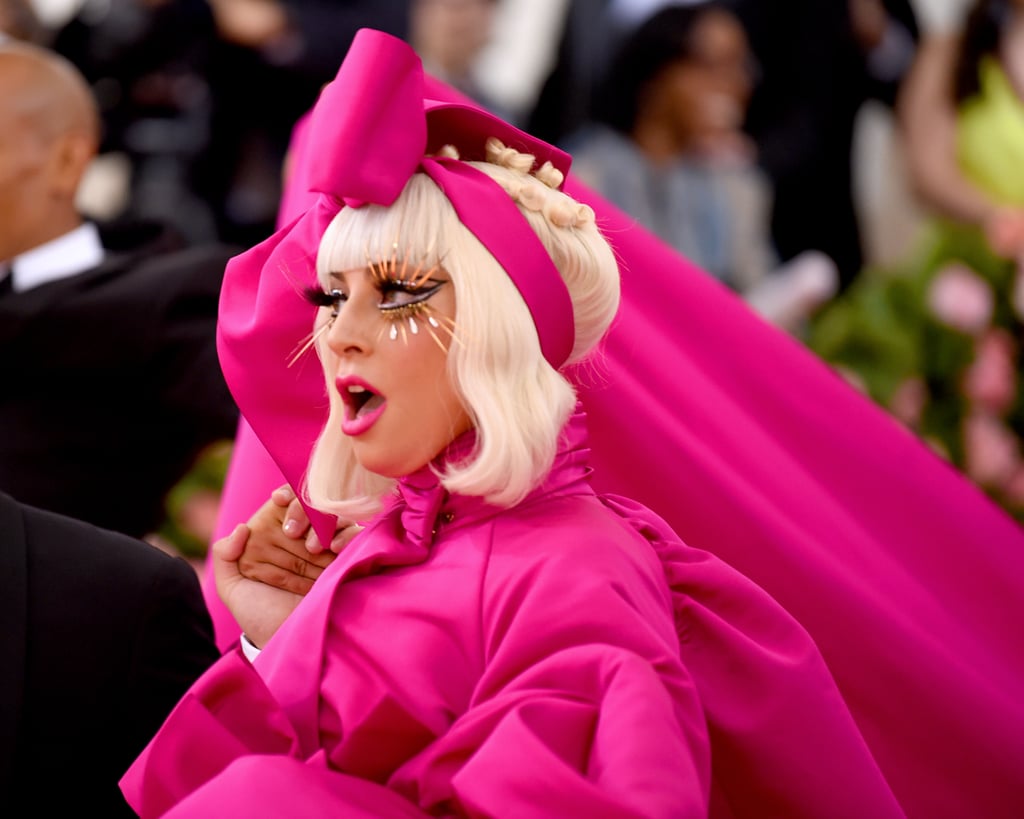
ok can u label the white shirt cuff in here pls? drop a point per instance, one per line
(249, 650)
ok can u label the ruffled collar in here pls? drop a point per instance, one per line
(426, 506)
(403, 533)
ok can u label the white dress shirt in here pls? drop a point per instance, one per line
(67, 255)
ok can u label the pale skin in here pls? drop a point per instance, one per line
(264, 568)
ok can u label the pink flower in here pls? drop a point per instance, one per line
(991, 380)
(991, 449)
(959, 298)
(1014, 488)
(853, 378)
(908, 400)
(1017, 295)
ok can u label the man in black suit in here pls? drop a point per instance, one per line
(111, 382)
(102, 634)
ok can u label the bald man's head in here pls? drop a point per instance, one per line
(49, 134)
(46, 90)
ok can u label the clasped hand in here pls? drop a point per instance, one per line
(265, 567)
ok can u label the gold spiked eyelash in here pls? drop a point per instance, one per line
(305, 346)
(404, 318)
(385, 270)
(401, 318)
(404, 322)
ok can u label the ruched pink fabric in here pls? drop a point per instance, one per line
(525, 662)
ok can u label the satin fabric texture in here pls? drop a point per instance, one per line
(568, 656)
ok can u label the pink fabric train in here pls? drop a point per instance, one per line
(908, 580)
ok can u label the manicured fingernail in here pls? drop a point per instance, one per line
(291, 527)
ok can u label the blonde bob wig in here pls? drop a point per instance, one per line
(517, 401)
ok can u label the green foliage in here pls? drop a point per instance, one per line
(190, 503)
(883, 334)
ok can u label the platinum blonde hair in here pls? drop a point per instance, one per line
(517, 401)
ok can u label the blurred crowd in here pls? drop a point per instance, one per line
(850, 168)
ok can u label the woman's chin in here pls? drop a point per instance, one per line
(387, 467)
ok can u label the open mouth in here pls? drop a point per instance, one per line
(360, 400)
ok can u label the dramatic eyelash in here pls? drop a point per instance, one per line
(322, 298)
(392, 274)
(397, 273)
(318, 297)
(387, 269)
(311, 339)
(414, 289)
(403, 321)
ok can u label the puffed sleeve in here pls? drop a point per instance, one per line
(584, 708)
(254, 786)
(228, 749)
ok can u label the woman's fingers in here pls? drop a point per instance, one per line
(296, 521)
(343, 536)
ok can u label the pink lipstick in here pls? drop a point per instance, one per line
(363, 404)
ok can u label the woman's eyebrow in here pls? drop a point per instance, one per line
(337, 276)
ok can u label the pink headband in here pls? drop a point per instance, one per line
(371, 130)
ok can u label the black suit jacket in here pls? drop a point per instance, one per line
(110, 383)
(101, 636)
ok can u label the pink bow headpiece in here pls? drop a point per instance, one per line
(372, 129)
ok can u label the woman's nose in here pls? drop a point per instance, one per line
(352, 330)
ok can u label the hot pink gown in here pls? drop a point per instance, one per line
(907, 579)
(533, 661)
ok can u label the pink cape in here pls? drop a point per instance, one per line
(909, 580)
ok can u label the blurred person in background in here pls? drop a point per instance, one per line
(146, 62)
(269, 60)
(107, 332)
(102, 634)
(449, 36)
(667, 145)
(199, 96)
(818, 63)
(668, 148)
(19, 21)
(961, 117)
